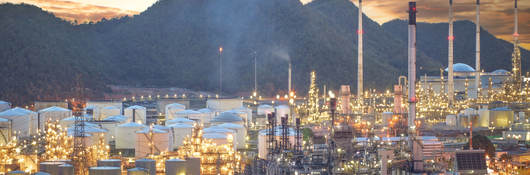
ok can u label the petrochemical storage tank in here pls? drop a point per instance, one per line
(66, 169)
(69, 121)
(109, 111)
(189, 114)
(217, 138)
(104, 170)
(206, 115)
(265, 109)
(5, 131)
(218, 129)
(172, 109)
(227, 117)
(176, 167)
(501, 117)
(110, 163)
(148, 164)
(92, 131)
(137, 171)
(241, 114)
(51, 167)
(4, 105)
(24, 122)
(180, 120)
(159, 138)
(262, 139)
(178, 132)
(126, 135)
(240, 136)
(248, 112)
(53, 113)
(139, 115)
(281, 111)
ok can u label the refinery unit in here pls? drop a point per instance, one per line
(436, 124)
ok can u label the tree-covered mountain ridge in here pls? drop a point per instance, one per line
(175, 43)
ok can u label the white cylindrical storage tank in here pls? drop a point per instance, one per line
(66, 169)
(67, 122)
(110, 124)
(265, 109)
(175, 167)
(5, 131)
(92, 132)
(140, 114)
(148, 164)
(159, 138)
(4, 105)
(189, 114)
(172, 109)
(262, 139)
(137, 171)
(109, 111)
(248, 115)
(281, 111)
(227, 117)
(104, 170)
(53, 113)
(24, 122)
(180, 120)
(110, 163)
(240, 136)
(50, 167)
(217, 138)
(179, 131)
(241, 114)
(207, 115)
(126, 135)
(218, 129)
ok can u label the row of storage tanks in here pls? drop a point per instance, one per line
(114, 167)
(501, 117)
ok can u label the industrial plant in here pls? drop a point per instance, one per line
(461, 121)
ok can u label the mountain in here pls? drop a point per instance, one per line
(432, 40)
(175, 43)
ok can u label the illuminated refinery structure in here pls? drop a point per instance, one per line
(430, 125)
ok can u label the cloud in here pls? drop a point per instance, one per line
(75, 11)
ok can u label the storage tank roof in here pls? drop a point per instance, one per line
(4, 120)
(264, 106)
(16, 112)
(214, 136)
(461, 67)
(87, 129)
(176, 105)
(54, 109)
(131, 125)
(160, 127)
(501, 109)
(227, 117)
(175, 160)
(188, 111)
(73, 118)
(282, 107)
(180, 125)
(216, 129)
(205, 110)
(136, 107)
(3, 102)
(117, 118)
(180, 120)
(146, 130)
(230, 126)
(111, 107)
(500, 71)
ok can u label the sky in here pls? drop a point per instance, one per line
(496, 15)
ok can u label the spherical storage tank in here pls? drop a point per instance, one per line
(241, 133)
(109, 111)
(227, 117)
(53, 113)
(139, 114)
(172, 109)
(24, 121)
(159, 138)
(126, 135)
(178, 132)
(265, 109)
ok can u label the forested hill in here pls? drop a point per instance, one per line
(175, 43)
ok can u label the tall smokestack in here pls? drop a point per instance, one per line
(451, 89)
(412, 64)
(360, 53)
(516, 27)
(477, 48)
(290, 74)
(414, 147)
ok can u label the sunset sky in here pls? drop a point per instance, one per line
(496, 15)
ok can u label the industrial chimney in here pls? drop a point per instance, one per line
(360, 53)
(477, 49)
(451, 89)
(413, 143)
